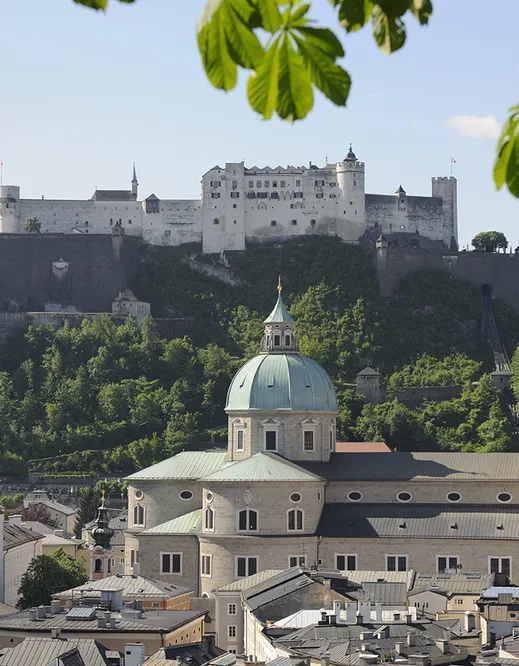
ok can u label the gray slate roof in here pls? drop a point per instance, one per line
(387, 594)
(41, 651)
(408, 521)
(56, 506)
(418, 466)
(460, 583)
(131, 585)
(277, 586)
(38, 527)
(16, 536)
(183, 466)
(112, 195)
(249, 581)
(189, 523)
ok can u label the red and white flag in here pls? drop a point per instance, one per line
(453, 161)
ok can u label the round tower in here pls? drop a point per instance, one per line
(351, 182)
(9, 209)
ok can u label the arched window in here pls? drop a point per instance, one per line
(98, 565)
(295, 520)
(209, 520)
(138, 515)
(248, 520)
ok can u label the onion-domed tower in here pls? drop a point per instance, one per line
(280, 400)
(101, 552)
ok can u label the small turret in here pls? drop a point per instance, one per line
(135, 183)
(102, 533)
(101, 550)
(279, 335)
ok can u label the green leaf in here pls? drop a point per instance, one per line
(353, 14)
(422, 9)
(323, 39)
(394, 8)
(262, 87)
(244, 47)
(295, 95)
(270, 16)
(94, 4)
(297, 18)
(326, 75)
(509, 136)
(219, 66)
(389, 32)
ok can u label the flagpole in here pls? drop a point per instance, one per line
(451, 167)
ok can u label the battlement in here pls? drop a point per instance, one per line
(443, 179)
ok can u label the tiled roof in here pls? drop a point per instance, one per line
(57, 506)
(42, 651)
(249, 581)
(16, 536)
(460, 583)
(189, 523)
(264, 466)
(183, 466)
(417, 466)
(38, 527)
(408, 521)
(131, 585)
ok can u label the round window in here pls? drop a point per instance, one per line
(354, 496)
(453, 497)
(295, 497)
(504, 497)
(209, 497)
(186, 495)
(404, 497)
(139, 494)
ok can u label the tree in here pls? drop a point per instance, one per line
(32, 225)
(297, 57)
(87, 509)
(47, 575)
(489, 241)
(39, 513)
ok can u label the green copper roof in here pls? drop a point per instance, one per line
(188, 524)
(263, 467)
(279, 314)
(185, 465)
(281, 381)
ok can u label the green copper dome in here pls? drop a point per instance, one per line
(281, 381)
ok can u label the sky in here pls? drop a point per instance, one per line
(85, 94)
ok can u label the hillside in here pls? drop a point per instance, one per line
(102, 398)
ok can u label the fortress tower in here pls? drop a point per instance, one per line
(351, 183)
(447, 190)
(10, 222)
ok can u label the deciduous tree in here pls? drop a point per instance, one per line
(489, 241)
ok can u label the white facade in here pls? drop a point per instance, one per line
(240, 205)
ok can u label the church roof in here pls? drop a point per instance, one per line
(279, 314)
(262, 467)
(112, 195)
(368, 372)
(189, 523)
(185, 465)
(281, 382)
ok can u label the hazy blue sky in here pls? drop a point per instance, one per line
(85, 94)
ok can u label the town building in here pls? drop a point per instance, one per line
(242, 204)
(60, 652)
(20, 545)
(62, 515)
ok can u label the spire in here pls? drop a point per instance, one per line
(279, 314)
(102, 532)
(134, 179)
(279, 333)
(135, 183)
(350, 157)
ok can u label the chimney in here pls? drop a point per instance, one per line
(33, 614)
(469, 621)
(55, 633)
(351, 611)
(399, 647)
(378, 612)
(59, 533)
(443, 645)
(101, 623)
(15, 520)
(337, 611)
(41, 611)
(136, 569)
(410, 638)
(324, 617)
(364, 647)
(55, 607)
(332, 618)
(358, 618)
(134, 654)
(325, 659)
(366, 635)
(112, 622)
(408, 618)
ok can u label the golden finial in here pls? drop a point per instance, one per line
(103, 498)
(280, 288)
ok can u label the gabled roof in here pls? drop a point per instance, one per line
(17, 536)
(112, 195)
(130, 584)
(185, 465)
(42, 651)
(368, 372)
(470, 582)
(279, 314)
(189, 523)
(387, 594)
(263, 466)
(56, 506)
(36, 526)
(249, 581)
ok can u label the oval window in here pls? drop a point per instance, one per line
(295, 497)
(139, 494)
(404, 497)
(354, 496)
(453, 497)
(209, 497)
(504, 497)
(186, 495)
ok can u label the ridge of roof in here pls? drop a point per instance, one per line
(263, 466)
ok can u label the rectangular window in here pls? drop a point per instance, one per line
(274, 183)
(281, 183)
(246, 566)
(239, 440)
(319, 183)
(235, 195)
(267, 183)
(308, 440)
(298, 183)
(134, 557)
(215, 195)
(206, 566)
(502, 565)
(171, 563)
(251, 183)
(298, 195)
(262, 195)
(231, 609)
(231, 631)
(318, 195)
(235, 183)
(331, 439)
(396, 562)
(258, 183)
(346, 562)
(271, 440)
(297, 560)
(447, 562)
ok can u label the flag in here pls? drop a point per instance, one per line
(453, 161)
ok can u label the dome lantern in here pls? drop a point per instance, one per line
(102, 532)
(279, 335)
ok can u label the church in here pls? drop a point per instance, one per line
(282, 495)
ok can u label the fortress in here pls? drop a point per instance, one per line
(240, 205)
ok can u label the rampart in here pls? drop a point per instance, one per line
(500, 271)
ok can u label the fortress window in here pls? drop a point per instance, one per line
(298, 195)
(273, 223)
(312, 222)
(168, 232)
(262, 195)
(346, 562)
(129, 221)
(215, 195)
(234, 206)
(271, 440)
(277, 340)
(216, 221)
(447, 562)
(235, 183)
(267, 183)
(248, 520)
(205, 568)
(332, 196)
(209, 520)
(298, 183)
(86, 223)
(251, 183)
(319, 183)
(185, 495)
(246, 566)
(274, 195)
(274, 183)
(319, 195)
(292, 206)
(295, 497)
(354, 182)
(297, 561)
(287, 341)
(258, 183)
(294, 222)
(295, 521)
(499, 565)
(396, 562)
(308, 440)
(251, 195)
(138, 516)
(111, 221)
(235, 195)
(282, 183)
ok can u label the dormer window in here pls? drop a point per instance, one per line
(271, 440)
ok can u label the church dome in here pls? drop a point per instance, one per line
(281, 381)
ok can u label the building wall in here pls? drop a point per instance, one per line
(463, 602)
(150, 548)
(160, 506)
(16, 563)
(257, 646)
(224, 620)
(428, 603)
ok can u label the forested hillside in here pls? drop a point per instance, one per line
(110, 399)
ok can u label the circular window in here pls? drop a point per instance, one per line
(139, 494)
(453, 497)
(295, 497)
(209, 497)
(404, 497)
(504, 498)
(185, 495)
(354, 496)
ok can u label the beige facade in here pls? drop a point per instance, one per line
(153, 548)
(150, 505)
